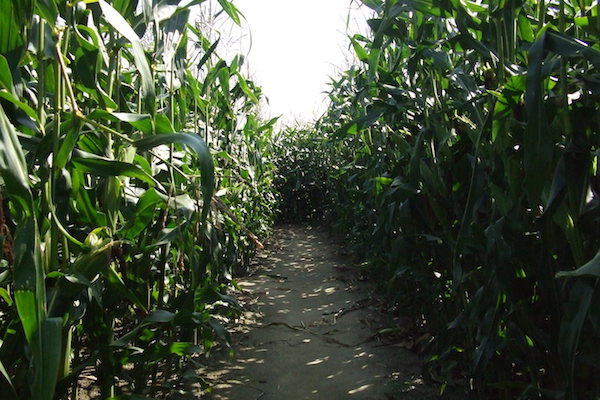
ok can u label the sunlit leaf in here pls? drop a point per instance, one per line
(121, 25)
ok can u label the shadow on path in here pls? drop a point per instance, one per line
(308, 332)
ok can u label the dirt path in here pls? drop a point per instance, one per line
(309, 332)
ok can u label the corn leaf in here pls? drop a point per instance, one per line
(231, 10)
(204, 158)
(117, 21)
(102, 166)
(537, 144)
(12, 165)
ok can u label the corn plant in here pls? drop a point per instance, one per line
(462, 158)
(133, 174)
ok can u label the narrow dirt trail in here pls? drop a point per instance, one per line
(309, 331)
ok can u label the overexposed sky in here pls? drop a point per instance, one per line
(295, 46)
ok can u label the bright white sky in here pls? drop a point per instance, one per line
(296, 46)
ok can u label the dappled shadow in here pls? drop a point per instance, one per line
(308, 332)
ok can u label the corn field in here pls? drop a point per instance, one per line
(133, 177)
(459, 157)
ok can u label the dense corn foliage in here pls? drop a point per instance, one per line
(461, 158)
(133, 179)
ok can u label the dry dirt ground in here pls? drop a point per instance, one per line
(310, 331)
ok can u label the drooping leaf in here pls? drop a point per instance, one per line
(12, 165)
(246, 89)
(6, 80)
(143, 122)
(102, 166)
(361, 53)
(591, 268)
(146, 207)
(231, 10)
(196, 143)
(11, 29)
(117, 21)
(220, 331)
(23, 106)
(161, 316)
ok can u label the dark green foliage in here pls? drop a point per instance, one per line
(301, 175)
(461, 159)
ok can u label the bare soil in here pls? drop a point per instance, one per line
(312, 329)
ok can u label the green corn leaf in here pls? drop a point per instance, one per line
(525, 29)
(224, 77)
(30, 291)
(164, 11)
(246, 89)
(361, 53)
(440, 59)
(373, 4)
(10, 29)
(390, 14)
(427, 7)
(30, 297)
(117, 21)
(231, 10)
(71, 137)
(212, 76)
(360, 123)
(168, 235)
(143, 122)
(208, 53)
(5, 295)
(374, 55)
(94, 262)
(537, 145)
(182, 204)
(48, 9)
(84, 203)
(101, 166)
(99, 262)
(124, 340)
(6, 80)
(591, 268)
(12, 165)
(23, 106)
(268, 125)
(161, 316)
(162, 124)
(557, 189)
(204, 158)
(567, 46)
(120, 287)
(103, 98)
(220, 331)
(210, 295)
(49, 359)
